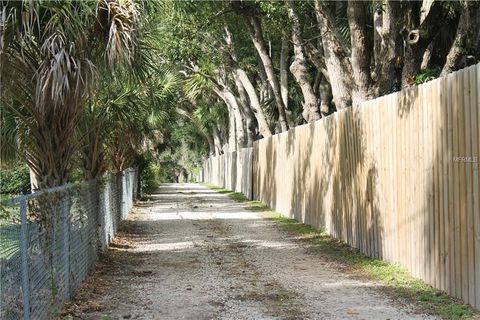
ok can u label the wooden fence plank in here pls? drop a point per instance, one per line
(435, 162)
(395, 171)
(475, 125)
(469, 277)
(456, 191)
(403, 186)
(392, 177)
(374, 169)
(423, 209)
(430, 240)
(382, 150)
(431, 185)
(451, 184)
(411, 172)
(441, 182)
(371, 181)
(462, 186)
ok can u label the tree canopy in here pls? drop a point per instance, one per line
(102, 85)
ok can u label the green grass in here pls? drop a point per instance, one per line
(394, 278)
(9, 229)
(237, 196)
(9, 240)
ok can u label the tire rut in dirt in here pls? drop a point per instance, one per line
(249, 293)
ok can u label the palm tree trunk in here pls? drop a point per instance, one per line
(33, 181)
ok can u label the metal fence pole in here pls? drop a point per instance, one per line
(124, 187)
(99, 214)
(24, 252)
(66, 244)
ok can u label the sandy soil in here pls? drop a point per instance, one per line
(191, 253)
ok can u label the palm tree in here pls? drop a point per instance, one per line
(50, 53)
(120, 117)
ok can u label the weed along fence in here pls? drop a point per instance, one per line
(397, 178)
(50, 240)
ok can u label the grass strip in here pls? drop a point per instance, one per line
(237, 196)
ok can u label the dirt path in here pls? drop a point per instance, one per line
(191, 253)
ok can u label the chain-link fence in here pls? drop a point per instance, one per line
(50, 240)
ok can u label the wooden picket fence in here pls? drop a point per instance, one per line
(397, 177)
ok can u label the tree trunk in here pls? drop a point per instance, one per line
(249, 117)
(232, 139)
(217, 141)
(92, 155)
(284, 72)
(254, 102)
(336, 60)
(236, 129)
(211, 144)
(388, 48)
(245, 87)
(240, 133)
(54, 149)
(299, 70)
(419, 39)
(467, 39)
(264, 89)
(259, 44)
(33, 181)
(360, 56)
(325, 93)
(316, 57)
(427, 56)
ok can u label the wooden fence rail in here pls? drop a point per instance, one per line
(397, 177)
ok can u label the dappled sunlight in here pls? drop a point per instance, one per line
(196, 215)
(169, 246)
(243, 215)
(271, 244)
(346, 283)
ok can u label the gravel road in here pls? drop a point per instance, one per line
(192, 253)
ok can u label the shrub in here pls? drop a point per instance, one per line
(15, 180)
(427, 75)
(150, 178)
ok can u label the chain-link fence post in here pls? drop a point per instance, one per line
(119, 191)
(124, 197)
(66, 243)
(24, 253)
(137, 186)
(99, 213)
